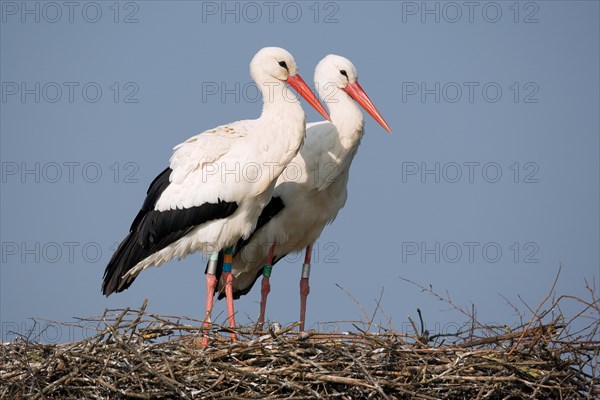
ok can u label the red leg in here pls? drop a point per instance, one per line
(228, 278)
(265, 288)
(229, 298)
(304, 287)
(211, 285)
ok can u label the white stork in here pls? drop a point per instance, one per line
(302, 205)
(198, 203)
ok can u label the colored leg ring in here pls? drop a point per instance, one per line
(212, 263)
(227, 260)
(305, 271)
(267, 269)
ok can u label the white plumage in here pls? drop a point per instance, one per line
(310, 203)
(313, 198)
(215, 165)
(212, 167)
(208, 198)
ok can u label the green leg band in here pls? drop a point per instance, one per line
(267, 269)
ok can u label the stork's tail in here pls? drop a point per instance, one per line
(129, 253)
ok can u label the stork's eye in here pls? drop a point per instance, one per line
(283, 64)
(343, 72)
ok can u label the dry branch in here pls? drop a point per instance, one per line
(138, 355)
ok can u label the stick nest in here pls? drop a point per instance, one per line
(134, 354)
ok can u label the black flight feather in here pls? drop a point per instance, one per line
(152, 231)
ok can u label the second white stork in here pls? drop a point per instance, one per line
(200, 202)
(304, 203)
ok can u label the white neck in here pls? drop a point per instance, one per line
(348, 120)
(282, 123)
(279, 102)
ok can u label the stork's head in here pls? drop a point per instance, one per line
(273, 64)
(335, 73)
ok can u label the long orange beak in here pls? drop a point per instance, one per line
(302, 88)
(358, 94)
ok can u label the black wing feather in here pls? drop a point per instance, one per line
(152, 231)
(156, 188)
(270, 211)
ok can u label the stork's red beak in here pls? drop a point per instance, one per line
(358, 94)
(302, 88)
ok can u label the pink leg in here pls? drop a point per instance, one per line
(229, 298)
(304, 287)
(265, 288)
(211, 285)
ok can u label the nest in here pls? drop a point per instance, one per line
(137, 355)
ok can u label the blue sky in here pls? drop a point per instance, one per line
(489, 182)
